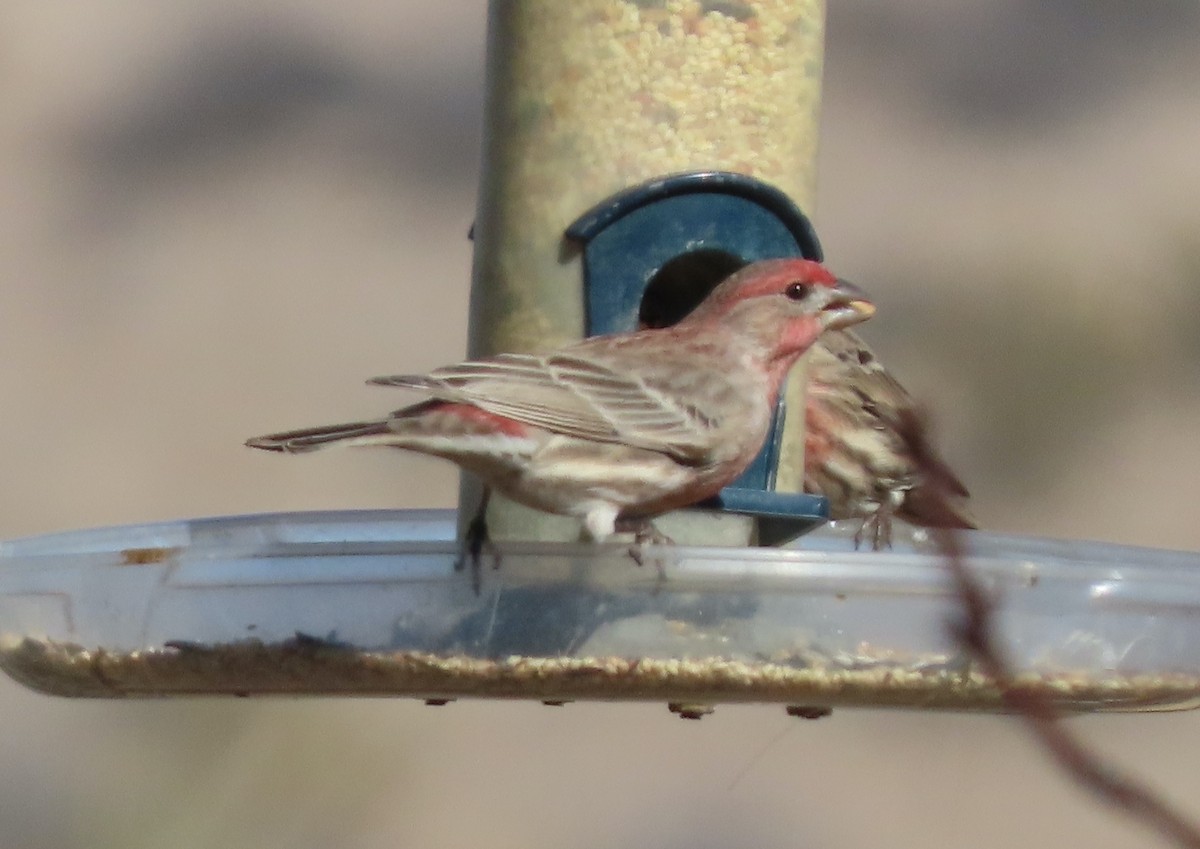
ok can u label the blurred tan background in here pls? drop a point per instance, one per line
(217, 219)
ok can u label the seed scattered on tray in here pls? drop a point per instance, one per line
(306, 666)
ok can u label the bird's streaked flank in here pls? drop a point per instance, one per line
(855, 453)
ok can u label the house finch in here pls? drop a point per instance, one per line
(855, 453)
(617, 429)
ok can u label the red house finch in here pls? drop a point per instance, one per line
(854, 451)
(621, 427)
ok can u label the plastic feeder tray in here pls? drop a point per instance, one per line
(369, 604)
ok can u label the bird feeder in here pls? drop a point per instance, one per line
(636, 151)
(369, 604)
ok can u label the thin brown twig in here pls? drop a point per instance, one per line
(976, 633)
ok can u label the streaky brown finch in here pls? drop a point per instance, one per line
(615, 430)
(854, 451)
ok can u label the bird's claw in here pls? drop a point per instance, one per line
(645, 533)
(636, 554)
(475, 540)
(877, 527)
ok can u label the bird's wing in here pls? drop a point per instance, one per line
(575, 395)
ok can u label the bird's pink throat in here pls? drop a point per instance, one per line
(797, 338)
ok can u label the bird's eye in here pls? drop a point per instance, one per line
(797, 291)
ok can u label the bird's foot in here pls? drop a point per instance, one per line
(644, 533)
(475, 540)
(876, 527)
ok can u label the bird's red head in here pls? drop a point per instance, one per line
(782, 306)
(787, 288)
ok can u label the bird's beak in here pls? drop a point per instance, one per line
(847, 305)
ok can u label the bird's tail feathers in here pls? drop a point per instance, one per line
(404, 381)
(310, 439)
